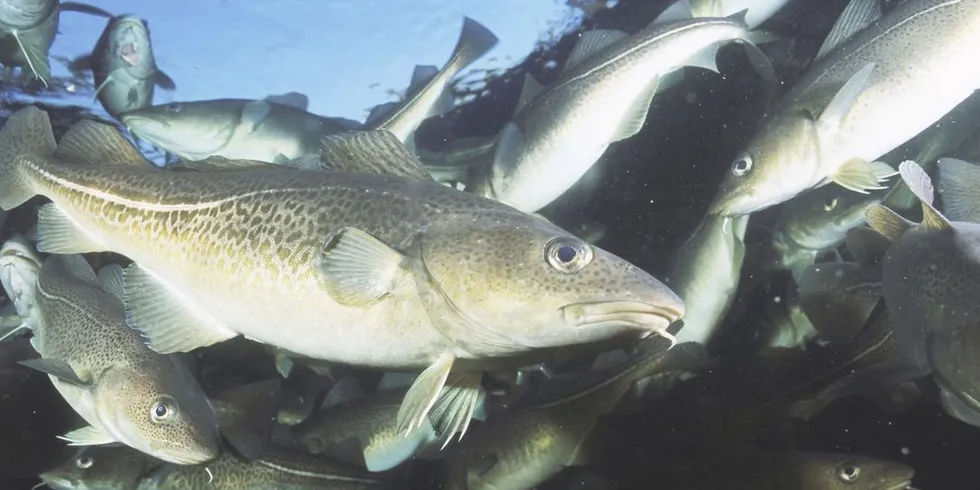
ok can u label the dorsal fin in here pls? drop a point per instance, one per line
(590, 43)
(920, 184)
(679, 10)
(857, 15)
(218, 163)
(529, 91)
(291, 99)
(376, 151)
(95, 143)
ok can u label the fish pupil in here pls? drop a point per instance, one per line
(566, 253)
(161, 410)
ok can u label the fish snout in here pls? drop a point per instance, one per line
(642, 317)
(57, 482)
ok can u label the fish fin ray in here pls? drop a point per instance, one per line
(920, 184)
(57, 368)
(111, 280)
(531, 88)
(475, 40)
(359, 269)
(707, 58)
(590, 43)
(37, 60)
(76, 266)
(295, 100)
(959, 186)
(422, 395)
(376, 151)
(162, 80)
(88, 436)
(94, 143)
(254, 114)
(170, 322)
(679, 10)
(26, 135)
(858, 175)
(857, 15)
(886, 222)
(220, 164)
(844, 99)
(57, 233)
(284, 364)
(453, 409)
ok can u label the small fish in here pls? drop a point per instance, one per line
(841, 116)
(930, 281)
(123, 66)
(104, 467)
(273, 130)
(815, 223)
(602, 96)
(705, 273)
(105, 371)
(434, 279)
(523, 448)
(434, 97)
(28, 29)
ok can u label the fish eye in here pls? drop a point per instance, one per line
(163, 410)
(848, 473)
(84, 462)
(175, 107)
(742, 164)
(831, 204)
(567, 255)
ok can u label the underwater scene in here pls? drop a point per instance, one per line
(490, 244)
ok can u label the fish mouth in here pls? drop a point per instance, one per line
(182, 456)
(643, 316)
(57, 482)
(130, 54)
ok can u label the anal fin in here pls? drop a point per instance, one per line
(456, 404)
(58, 234)
(423, 393)
(633, 120)
(170, 321)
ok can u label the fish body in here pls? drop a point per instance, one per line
(842, 116)
(270, 254)
(602, 96)
(19, 265)
(432, 98)
(705, 274)
(526, 446)
(262, 130)
(105, 371)
(124, 67)
(121, 468)
(817, 222)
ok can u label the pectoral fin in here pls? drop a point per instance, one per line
(959, 185)
(358, 269)
(58, 234)
(162, 80)
(87, 436)
(57, 368)
(37, 59)
(861, 176)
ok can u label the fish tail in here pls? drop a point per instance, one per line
(475, 40)
(25, 137)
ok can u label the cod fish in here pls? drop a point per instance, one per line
(756, 11)
(381, 269)
(123, 66)
(930, 282)
(272, 130)
(525, 447)
(705, 274)
(27, 30)
(815, 223)
(19, 266)
(104, 370)
(121, 468)
(602, 96)
(842, 115)
(433, 97)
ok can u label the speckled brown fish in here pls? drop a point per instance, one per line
(383, 271)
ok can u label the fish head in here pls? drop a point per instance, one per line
(538, 286)
(852, 472)
(191, 130)
(19, 267)
(160, 410)
(96, 467)
(25, 13)
(819, 219)
(780, 162)
(129, 46)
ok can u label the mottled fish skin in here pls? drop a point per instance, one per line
(705, 274)
(919, 57)
(243, 247)
(123, 65)
(84, 326)
(197, 130)
(561, 133)
(122, 468)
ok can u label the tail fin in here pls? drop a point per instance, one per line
(27, 134)
(475, 40)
